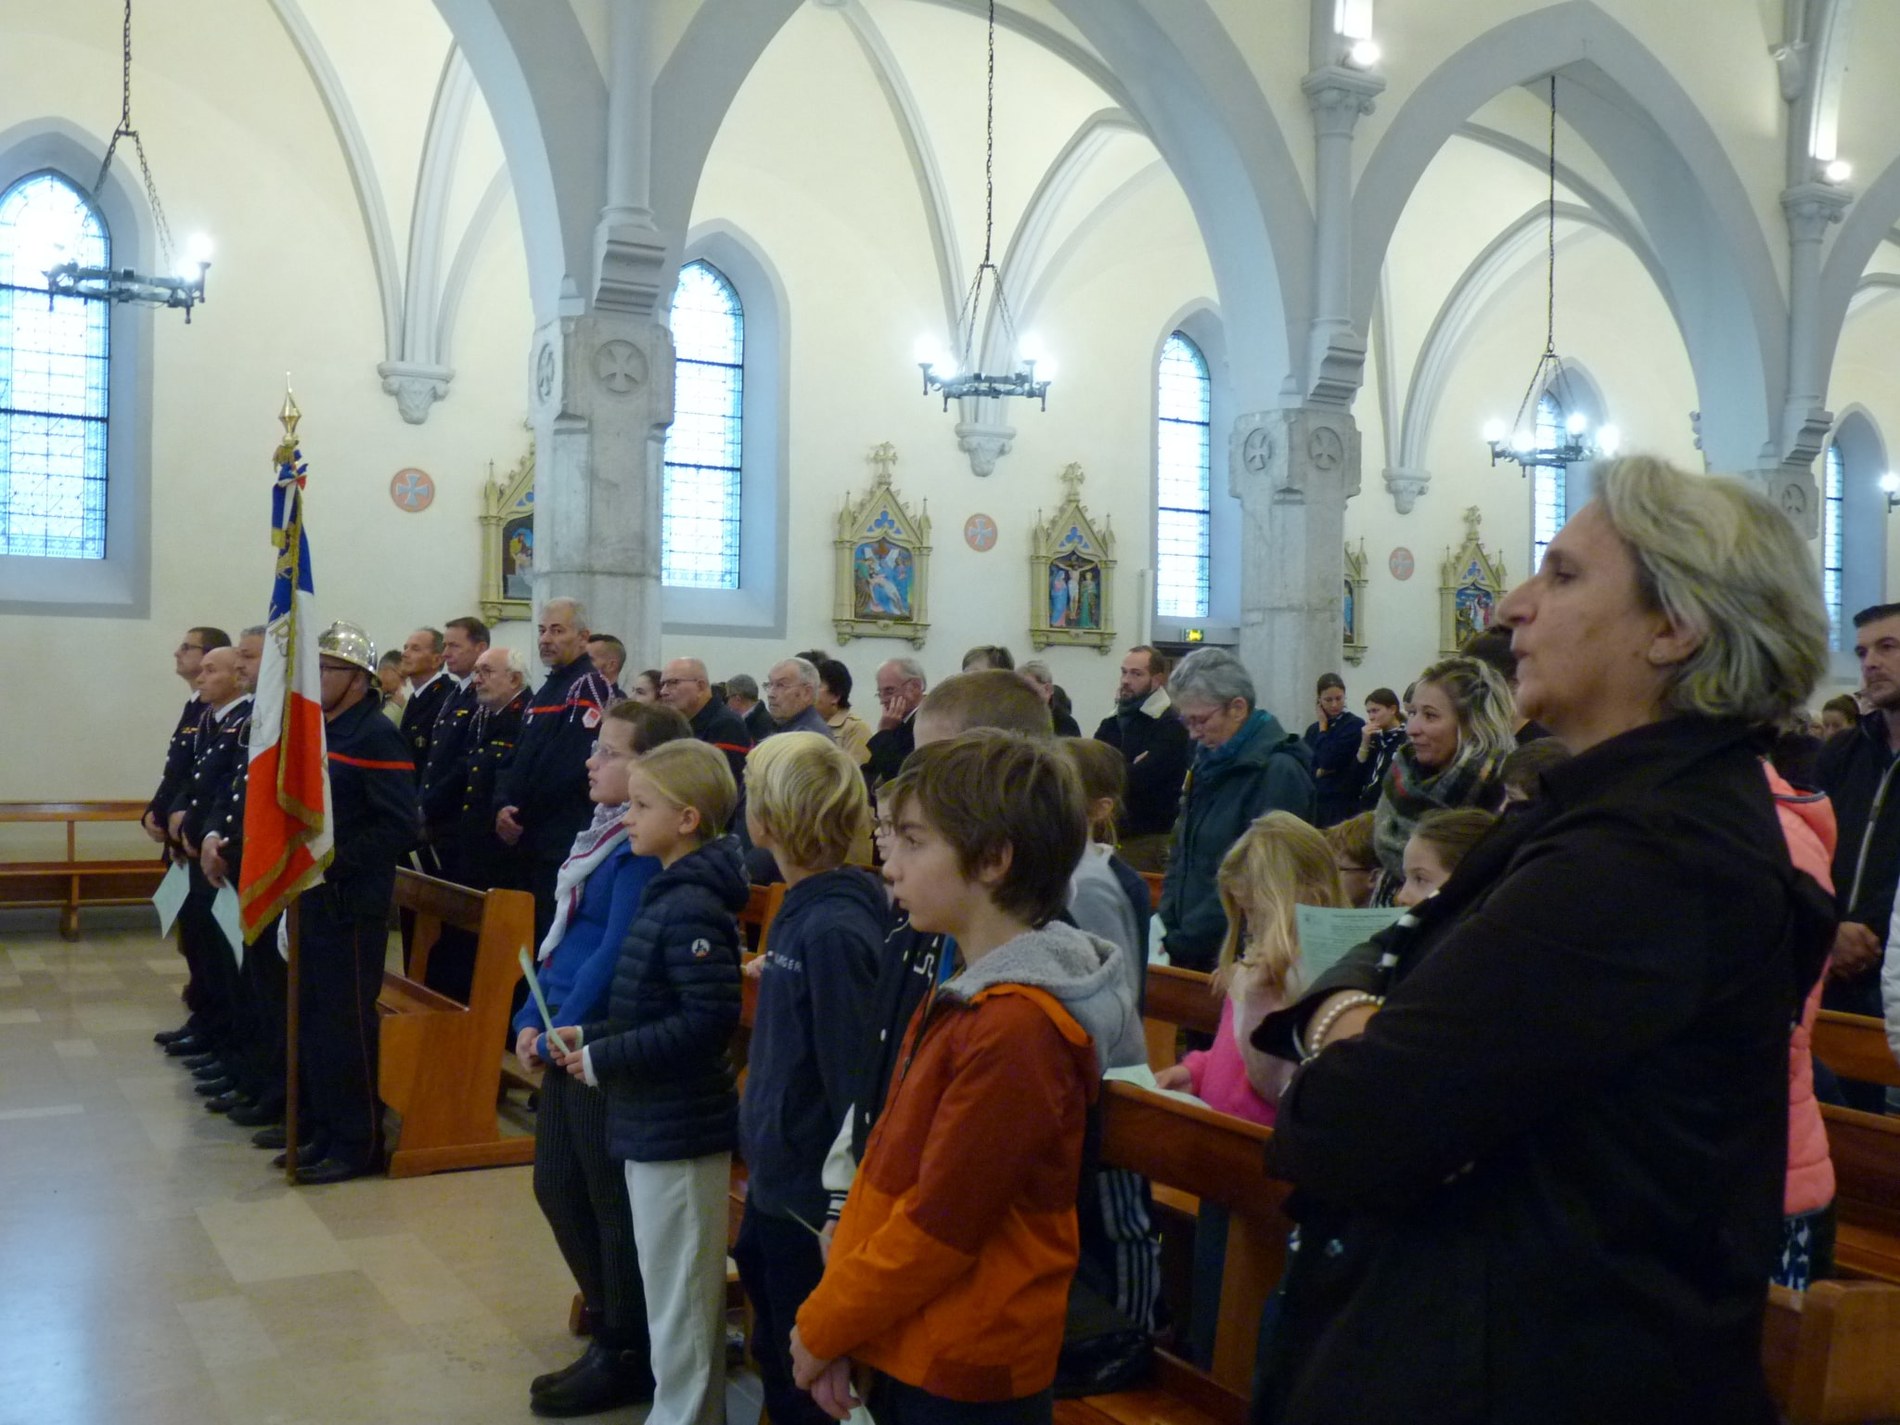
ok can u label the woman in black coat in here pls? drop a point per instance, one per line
(1334, 740)
(1538, 1138)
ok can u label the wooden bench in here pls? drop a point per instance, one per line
(1865, 1148)
(440, 1068)
(1829, 1352)
(74, 882)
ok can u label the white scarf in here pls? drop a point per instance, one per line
(591, 847)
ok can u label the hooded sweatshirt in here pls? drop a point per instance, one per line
(951, 1265)
(804, 1066)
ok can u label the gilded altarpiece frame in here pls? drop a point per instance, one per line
(508, 543)
(1354, 606)
(1071, 575)
(1471, 584)
(882, 578)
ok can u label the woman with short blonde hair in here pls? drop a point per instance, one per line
(1540, 1128)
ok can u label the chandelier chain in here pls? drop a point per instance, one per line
(125, 131)
(989, 143)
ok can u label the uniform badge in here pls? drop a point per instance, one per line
(702, 948)
(591, 719)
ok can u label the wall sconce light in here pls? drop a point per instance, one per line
(1890, 487)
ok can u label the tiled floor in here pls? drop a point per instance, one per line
(154, 1269)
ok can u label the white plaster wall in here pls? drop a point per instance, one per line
(242, 149)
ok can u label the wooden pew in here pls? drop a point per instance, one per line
(1865, 1148)
(70, 883)
(1829, 1352)
(439, 1066)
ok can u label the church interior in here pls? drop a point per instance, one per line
(695, 266)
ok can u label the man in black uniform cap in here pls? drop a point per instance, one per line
(179, 755)
(541, 798)
(344, 923)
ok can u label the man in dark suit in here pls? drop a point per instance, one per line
(1147, 731)
(429, 689)
(900, 689)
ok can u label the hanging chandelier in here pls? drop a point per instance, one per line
(955, 376)
(183, 286)
(1521, 440)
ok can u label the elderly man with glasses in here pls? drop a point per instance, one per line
(685, 687)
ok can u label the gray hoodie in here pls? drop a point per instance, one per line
(1082, 971)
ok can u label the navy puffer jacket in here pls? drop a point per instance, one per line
(661, 1055)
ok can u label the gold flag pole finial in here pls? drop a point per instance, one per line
(290, 415)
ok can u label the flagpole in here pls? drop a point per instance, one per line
(291, 1017)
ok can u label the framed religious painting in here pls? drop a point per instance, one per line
(508, 543)
(1354, 605)
(883, 568)
(1071, 564)
(1471, 583)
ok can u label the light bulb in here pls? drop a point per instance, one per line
(1521, 442)
(199, 249)
(926, 350)
(1364, 54)
(1609, 440)
(1495, 431)
(1890, 483)
(1576, 423)
(1838, 171)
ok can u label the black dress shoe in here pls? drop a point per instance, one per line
(306, 1153)
(332, 1170)
(257, 1115)
(189, 1045)
(600, 1380)
(225, 1102)
(211, 1088)
(276, 1135)
(169, 1036)
(214, 1069)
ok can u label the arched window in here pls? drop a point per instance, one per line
(1547, 481)
(54, 367)
(1183, 426)
(699, 522)
(1833, 498)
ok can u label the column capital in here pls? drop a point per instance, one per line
(1405, 486)
(1338, 96)
(1294, 455)
(1810, 207)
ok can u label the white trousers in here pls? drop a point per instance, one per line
(679, 1230)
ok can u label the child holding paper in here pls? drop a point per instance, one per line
(581, 1190)
(805, 804)
(1279, 862)
(661, 1055)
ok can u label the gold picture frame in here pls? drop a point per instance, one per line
(883, 571)
(1071, 575)
(1471, 583)
(507, 521)
(1354, 608)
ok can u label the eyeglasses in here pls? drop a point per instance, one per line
(1195, 722)
(191, 648)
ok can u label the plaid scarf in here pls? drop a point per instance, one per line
(1410, 791)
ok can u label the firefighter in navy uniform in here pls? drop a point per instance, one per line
(429, 688)
(180, 752)
(256, 1058)
(501, 692)
(208, 956)
(344, 923)
(444, 777)
(541, 797)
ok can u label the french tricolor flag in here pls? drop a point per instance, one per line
(287, 840)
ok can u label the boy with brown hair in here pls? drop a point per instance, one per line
(949, 1274)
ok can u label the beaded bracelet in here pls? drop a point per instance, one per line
(1317, 1039)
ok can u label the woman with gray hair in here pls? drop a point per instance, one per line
(1246, 765)
(1540, 1125)
(1458, 732)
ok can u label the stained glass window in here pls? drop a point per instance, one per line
(1833, 496)
(1184, 394)
(699, 522)
(53, 366)
(1547, 481)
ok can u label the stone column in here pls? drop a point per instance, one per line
(1336, 353)
(602, 400)
(1805, 420)
(1293, 471)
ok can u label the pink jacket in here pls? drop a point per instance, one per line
(1807, 820)
(1220, 1078)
